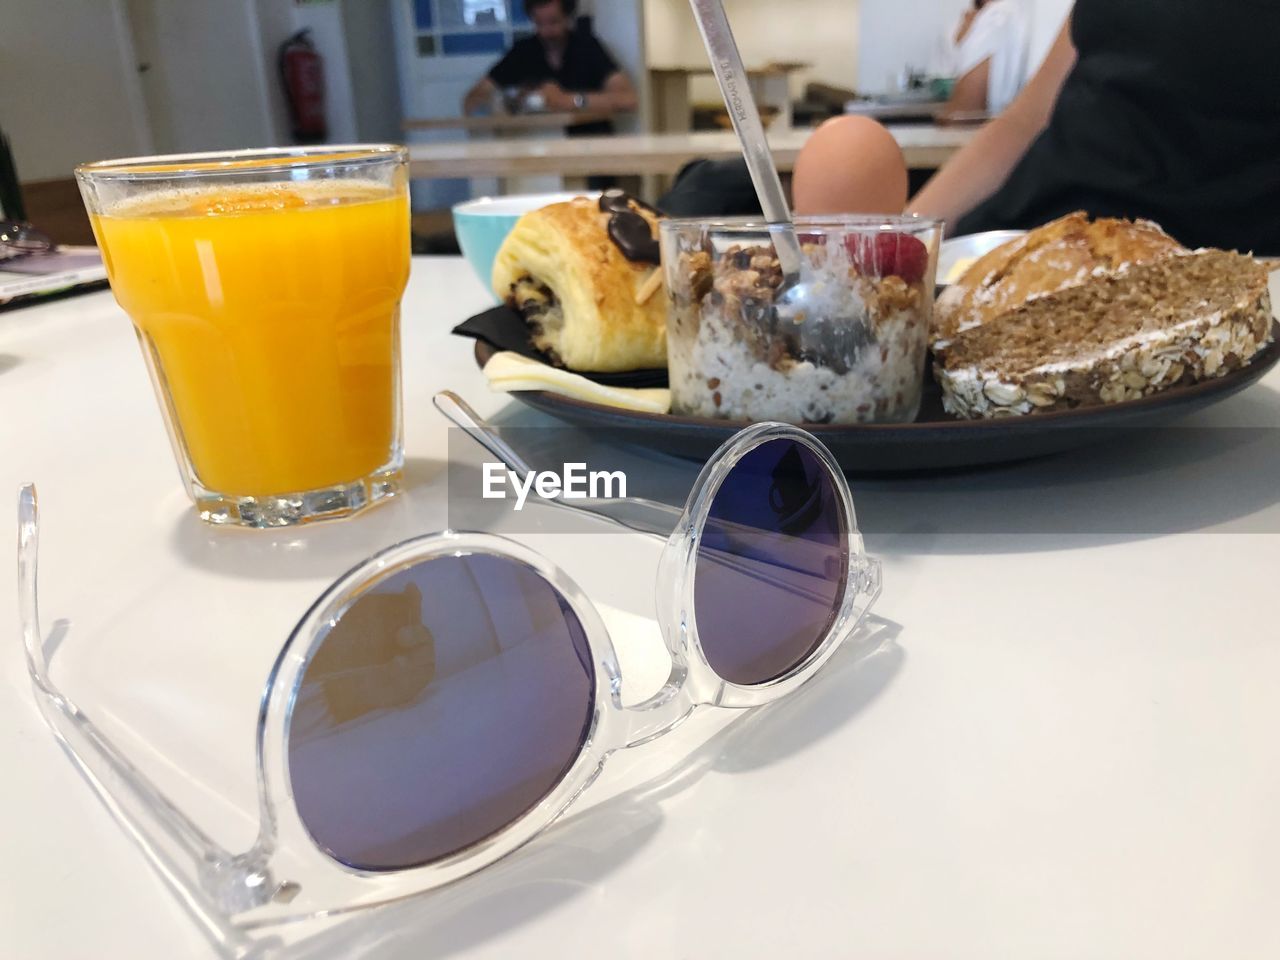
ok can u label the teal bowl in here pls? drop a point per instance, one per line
(481, 225)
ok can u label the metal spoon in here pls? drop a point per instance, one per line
(726, 62)
(795, 305)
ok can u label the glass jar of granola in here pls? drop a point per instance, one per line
(844, 342)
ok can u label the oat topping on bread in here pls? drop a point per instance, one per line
(1067, 252)
(1120, 337)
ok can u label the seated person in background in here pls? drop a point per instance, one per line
(566, 66)
(1179, 124)
(987, 54)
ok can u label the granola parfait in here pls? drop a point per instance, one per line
(844, 342)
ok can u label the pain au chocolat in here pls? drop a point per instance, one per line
(585, 275)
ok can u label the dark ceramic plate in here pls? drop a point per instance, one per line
(936, 441)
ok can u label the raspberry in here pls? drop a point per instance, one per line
(888, 255)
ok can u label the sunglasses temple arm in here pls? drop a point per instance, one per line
(461, 415)
(210, 881)
(635, 513)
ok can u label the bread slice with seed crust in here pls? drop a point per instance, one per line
(1067, 252)
(1141, 330)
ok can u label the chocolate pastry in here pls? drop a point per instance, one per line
(585, 276)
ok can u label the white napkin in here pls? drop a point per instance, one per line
(508, 372)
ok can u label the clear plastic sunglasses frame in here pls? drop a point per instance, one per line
(285, 876)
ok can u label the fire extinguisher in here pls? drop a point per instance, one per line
(302, 72)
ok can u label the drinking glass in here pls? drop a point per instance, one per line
(264, 287)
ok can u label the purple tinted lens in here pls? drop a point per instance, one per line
(771, 564)
(443, 705)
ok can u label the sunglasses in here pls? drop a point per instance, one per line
(18, 238)
(449, 698)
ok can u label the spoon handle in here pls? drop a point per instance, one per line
(726, 62)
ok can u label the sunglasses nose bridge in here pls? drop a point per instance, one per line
(663, 712)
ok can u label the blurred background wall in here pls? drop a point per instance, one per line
(92, 79)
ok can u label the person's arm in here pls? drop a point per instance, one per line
(969, 94)
(480, 95)
(618, 96)
(979, 169)
(510, 71)
(615, 93)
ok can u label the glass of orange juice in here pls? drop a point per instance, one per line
(264, 287)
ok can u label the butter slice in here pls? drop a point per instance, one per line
(509, 372)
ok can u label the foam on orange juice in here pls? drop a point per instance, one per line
(272, 313)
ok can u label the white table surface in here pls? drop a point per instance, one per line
(1068, 750)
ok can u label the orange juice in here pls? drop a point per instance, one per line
(270, 317)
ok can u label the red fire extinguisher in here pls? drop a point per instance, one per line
(302, 72)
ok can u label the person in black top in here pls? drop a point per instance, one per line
(568, 68)
(1163, 109)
